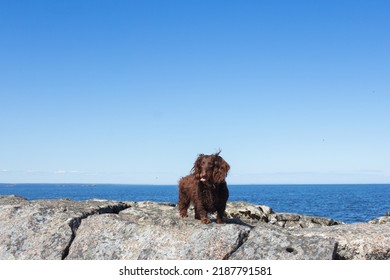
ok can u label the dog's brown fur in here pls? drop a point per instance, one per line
(205, 187)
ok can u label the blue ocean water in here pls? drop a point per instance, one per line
(346, 203)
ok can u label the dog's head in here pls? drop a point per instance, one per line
(210, 169)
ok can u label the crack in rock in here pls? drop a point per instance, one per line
(242, 238)
(75, 223)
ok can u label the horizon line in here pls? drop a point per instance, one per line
(150, 184)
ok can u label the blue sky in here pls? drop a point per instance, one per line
(132, 91)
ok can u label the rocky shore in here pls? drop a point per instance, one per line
(112, 230)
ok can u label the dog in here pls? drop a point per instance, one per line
(205, 188)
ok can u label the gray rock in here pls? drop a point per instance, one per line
(149, 230)
(12, 200)
(43, 229)
(248, 213)
(152, 213)
(381, 220)
(361, 241)
(254, 214)
(113, 237)
(267, 242)
(296, 221)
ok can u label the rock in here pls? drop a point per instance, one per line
(12, 200)
(267, 242)
(98, 229)
(113, 237)
(296, 221)
(43, 229)
(248, 213)
(149, 230)
(381, 220)
(361, 241)
(152, 213)
(254, 214)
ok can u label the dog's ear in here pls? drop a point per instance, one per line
(196, 169)
(221, 169)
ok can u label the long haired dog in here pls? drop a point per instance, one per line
(205, 187)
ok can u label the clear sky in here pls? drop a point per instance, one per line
(132, 91)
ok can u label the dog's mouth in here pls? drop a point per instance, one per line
(203, 179)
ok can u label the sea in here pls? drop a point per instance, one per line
(345, 203)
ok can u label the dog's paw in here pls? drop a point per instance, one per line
(183, 214)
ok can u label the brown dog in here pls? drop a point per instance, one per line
(205, 187)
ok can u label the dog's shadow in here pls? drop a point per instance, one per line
(233, 221)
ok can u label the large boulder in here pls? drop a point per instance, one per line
(267, 242)
(360, 241)
(44, 229)
(113, 237)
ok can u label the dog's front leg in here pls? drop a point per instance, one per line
(201, 213)
(220, 214)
